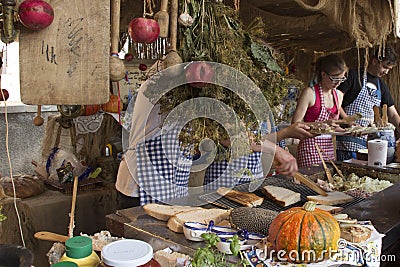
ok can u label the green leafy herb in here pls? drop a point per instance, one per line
(210, 256)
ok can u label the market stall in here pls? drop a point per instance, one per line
(137, 223)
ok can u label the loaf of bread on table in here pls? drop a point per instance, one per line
(171, 259)
(175, 223)
(164, 212)
(243, 198)
(354, 232)
(280, 195)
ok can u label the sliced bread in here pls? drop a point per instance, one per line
(280, 195)
(164, 212)
(243, 198)
(333, 198)
(175, 223)
(330, 209)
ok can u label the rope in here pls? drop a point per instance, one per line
(11, 172)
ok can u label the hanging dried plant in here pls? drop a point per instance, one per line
(218, 35)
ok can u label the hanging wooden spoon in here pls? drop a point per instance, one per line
(38, 120)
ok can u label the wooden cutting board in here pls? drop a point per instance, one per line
(333, 198)
(68, 62)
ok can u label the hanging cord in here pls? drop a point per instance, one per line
(11, 173)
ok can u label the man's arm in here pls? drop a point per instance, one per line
(394, 117)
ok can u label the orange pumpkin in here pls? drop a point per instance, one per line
(304, 234)
(111, 105)
(90, 110)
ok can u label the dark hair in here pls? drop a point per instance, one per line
(329, 64)
(388, 54)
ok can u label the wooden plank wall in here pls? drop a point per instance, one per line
(68, 62)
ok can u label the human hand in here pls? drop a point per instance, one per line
(284, 162)
(299, 130)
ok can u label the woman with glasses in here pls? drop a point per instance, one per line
(321, 102)
(361, 95)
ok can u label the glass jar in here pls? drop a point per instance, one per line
(79, 249)
(128, 253)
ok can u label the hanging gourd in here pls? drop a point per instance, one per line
(111, 105)
(144, 30)
(35, 14)
(305, 234)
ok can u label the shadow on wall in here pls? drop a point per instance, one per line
(24, 142)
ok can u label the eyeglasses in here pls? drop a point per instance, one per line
(337, 79)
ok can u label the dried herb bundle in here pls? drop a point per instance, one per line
(217, 35)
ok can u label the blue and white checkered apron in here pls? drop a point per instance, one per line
(228, 174)
(162, 168)
(364, 103)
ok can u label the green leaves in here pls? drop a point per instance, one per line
(263, 54)
(210, 256)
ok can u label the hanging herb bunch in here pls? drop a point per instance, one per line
(216, 34)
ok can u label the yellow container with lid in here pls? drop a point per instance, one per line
(79, 249)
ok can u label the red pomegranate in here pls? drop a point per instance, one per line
(199, 74)
(35, 14)
(5, 93)
(143, 30)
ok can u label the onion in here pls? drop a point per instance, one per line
(35, 14)
(144, 30)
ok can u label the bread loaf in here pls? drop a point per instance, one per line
(175, 223)
(164, 212)
(355, 233)
(281, 196)
(171, 259)
(25, 186)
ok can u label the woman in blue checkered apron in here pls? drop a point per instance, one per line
(320, 103)
(154, 168)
